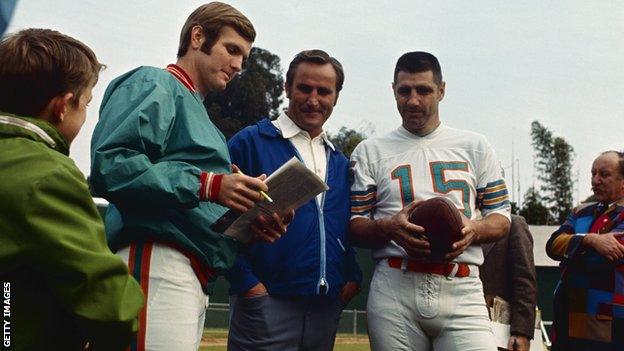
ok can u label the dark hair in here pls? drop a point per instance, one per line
(419, 61)
(212, 18)
(38, 64)
(620, 156)
(318, 57)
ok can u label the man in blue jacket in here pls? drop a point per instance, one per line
(289, 295)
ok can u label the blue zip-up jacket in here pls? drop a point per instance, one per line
(313, 257)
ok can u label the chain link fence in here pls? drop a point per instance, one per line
(351, 321)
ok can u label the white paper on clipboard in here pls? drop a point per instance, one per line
(290, 186)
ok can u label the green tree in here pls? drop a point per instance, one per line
(533, 209)
(542, 142)
(347, 139)
(561, 179)
(554, 171)
(254, 94)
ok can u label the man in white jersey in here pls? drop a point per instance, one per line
(413, 303)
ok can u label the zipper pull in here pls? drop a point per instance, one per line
(323, 287)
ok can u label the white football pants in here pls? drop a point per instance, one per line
(175, 309)
(420, 311)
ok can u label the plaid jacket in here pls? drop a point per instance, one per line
(589, 299)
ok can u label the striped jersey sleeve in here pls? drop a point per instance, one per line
(492, 195)
(363, 187)
(363, 202)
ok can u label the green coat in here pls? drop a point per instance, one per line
(148, 149)
(65, 286)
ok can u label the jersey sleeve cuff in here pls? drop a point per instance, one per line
(210, 185)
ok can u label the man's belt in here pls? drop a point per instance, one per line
(459, 270)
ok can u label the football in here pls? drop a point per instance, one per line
(442, 222)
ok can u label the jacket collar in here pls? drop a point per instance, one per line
(266, 127)
(34, 129)
(182, 76)
(287, 129)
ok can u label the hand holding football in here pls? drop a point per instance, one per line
(442, 222)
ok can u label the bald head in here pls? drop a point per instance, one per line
(608, 177)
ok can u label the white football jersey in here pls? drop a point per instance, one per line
(391, 171)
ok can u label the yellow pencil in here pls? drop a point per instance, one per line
(262, 193)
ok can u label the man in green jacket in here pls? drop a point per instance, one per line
(166, 171)
(63, 288)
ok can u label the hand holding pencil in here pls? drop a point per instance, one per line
(266, 196)
(264, 229)
(240, 192)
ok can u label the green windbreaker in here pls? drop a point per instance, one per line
(148, 149)
(62, 286)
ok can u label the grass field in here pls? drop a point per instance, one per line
(216, 340)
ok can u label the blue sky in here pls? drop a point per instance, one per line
(505, 63)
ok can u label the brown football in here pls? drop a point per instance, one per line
(442, 223)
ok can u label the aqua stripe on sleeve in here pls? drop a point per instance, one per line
(371, 189)
(498, 206)
(493, 197)
(370, 201)
(363, 202)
